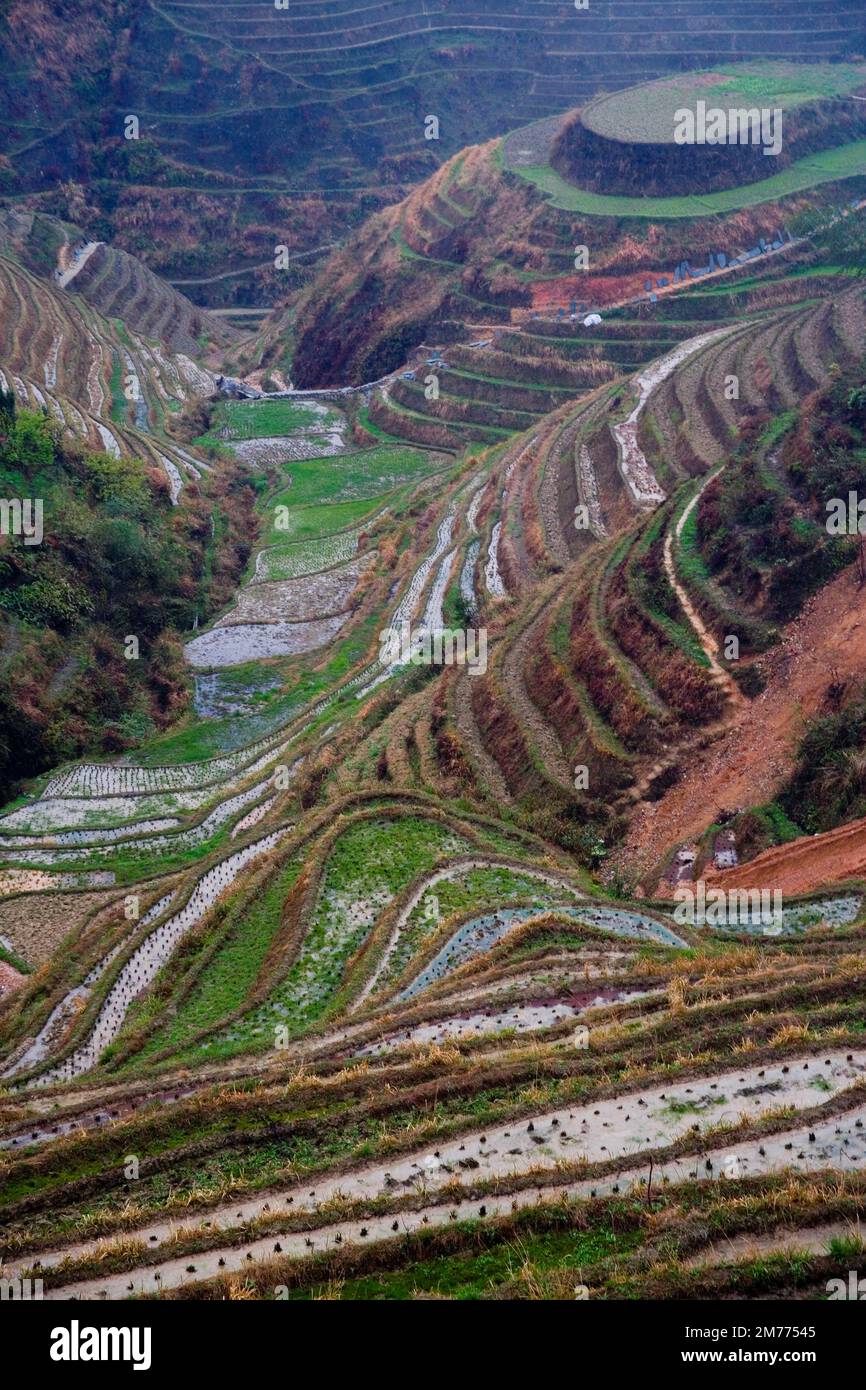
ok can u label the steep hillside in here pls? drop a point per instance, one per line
(108, 380)
(358, 735)
(119, 286)
(139, 535)
(754, 555)
(482, 252)
(113, 561)
(393, 877)
(265, 126)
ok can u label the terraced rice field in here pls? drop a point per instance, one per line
(559, 1148)
(364, 73)
(783, 85)
(104, 383)
(355, 985)
(811, 171)
(299, 596)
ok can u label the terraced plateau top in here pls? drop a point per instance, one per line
(646, 114)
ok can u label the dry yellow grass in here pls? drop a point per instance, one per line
(790, 1032)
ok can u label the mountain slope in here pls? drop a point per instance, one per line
(357, 974)
(290, 126)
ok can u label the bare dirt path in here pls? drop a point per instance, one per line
(77, 264)
(705, 637)
(746, 765)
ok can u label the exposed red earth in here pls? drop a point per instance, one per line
(803, 866)
(747, 764)
(597, 290)
(10, 978)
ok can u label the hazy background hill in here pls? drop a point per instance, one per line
(260, 126)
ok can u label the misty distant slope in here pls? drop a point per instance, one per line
(255, 120)
(120, 286)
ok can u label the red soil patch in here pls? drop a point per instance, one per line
(596, 290)
(747, 765)
(815, 861)
(10, 978)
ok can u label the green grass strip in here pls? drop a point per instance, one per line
(829, 165)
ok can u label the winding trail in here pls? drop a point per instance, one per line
(750, 760)
(65, 279)
(706, 638)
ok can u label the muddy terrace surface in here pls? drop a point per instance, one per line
(618, 1129)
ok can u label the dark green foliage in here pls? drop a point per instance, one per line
(114, 560)
(761, 526)
(749, 679)
(829, 784)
